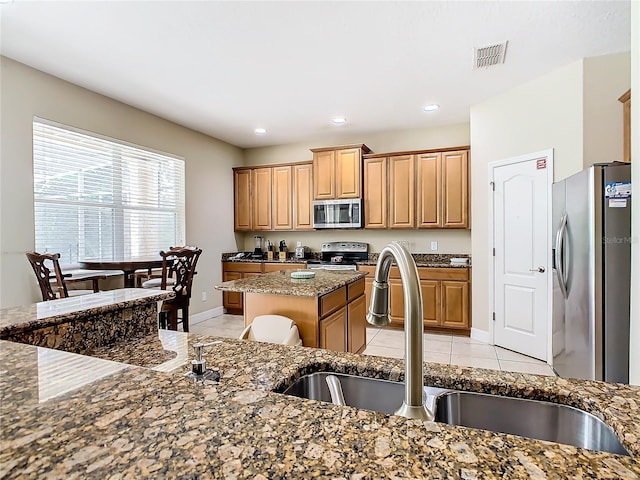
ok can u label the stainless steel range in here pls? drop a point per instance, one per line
(340, 256)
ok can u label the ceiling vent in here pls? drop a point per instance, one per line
(489, 56)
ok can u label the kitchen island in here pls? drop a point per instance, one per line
(78, 324)
(329, 309)
(140, 422)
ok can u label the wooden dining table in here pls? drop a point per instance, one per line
(127, 265)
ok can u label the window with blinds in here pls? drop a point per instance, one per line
(96, 197)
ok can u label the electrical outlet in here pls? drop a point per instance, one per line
(204, 296)
(434, 246)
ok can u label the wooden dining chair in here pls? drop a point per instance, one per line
(178, 269)
(47, 269)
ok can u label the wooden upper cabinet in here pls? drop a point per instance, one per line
(324, 173)
(348, 173)
(261, 189)
(375, 193)
(337, 172)
(626, 125)
(302, 196)
(242, 200)
(282, 198)
(455, 189)
(402, 192)
(429, 195)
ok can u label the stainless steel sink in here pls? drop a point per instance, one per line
(527, 418)
(361, 392)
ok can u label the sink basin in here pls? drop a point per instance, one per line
(527, 418)
(361, 392)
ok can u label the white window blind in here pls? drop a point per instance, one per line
(99, 198)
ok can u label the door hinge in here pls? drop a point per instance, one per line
(494, 316)
(494, 251)
(493, 186)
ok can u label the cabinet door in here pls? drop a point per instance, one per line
(429, 198)
(231, 300)
(357, 325)
(302, 196)
(242, 200)
(375, 193)
(401, 192)
(276, 267)
(396, 302)
(430, 302)
(455, 189)
(333, 331)
(455, 304)
(348, 173)
(261, 185)
(324, 173)
(282, 198)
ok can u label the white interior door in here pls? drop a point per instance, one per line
(521, 219)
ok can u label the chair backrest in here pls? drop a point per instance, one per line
(43, 264)
(179, 263)
(273, 329)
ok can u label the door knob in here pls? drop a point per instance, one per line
(539, 269)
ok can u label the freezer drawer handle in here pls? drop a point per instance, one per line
(539, 269)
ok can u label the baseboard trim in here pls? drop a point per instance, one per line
(480, 335)
(207, 314)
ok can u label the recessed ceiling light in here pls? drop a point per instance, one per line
(432, 107)
(260, 131)
(339, 121)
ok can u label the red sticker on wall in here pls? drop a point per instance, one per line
(541, 164)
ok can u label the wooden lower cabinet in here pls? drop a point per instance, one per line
(357, 325)
(333, 331)
(455, 301)
(335, 321)
(232, 301)
(445, 297)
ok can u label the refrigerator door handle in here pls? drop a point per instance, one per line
(559, 255)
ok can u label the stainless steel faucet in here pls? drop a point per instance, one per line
(413, 405)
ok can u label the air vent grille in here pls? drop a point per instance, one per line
(488, 56)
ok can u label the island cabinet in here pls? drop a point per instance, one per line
(273, 198)
(337, 172)
(333, 318)
(445, 297)
(426, 189)
(233, 301)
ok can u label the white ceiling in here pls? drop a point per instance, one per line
(225, 68)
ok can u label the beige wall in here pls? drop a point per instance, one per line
(27, 93)
(605, 79)
(449, 241)
(542, 114)
(634, 360)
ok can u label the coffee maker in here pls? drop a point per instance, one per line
(257, 244)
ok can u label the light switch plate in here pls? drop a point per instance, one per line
(434, 246)
(204, 296)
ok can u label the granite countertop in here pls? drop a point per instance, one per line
(281, 283)
(422, 260)
(72, 416)
(44, 314)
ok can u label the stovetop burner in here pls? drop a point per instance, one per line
(342, 253)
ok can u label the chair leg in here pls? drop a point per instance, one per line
(162, 316)
(185, 318)
(173, 319)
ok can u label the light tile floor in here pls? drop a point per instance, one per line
(438, 348)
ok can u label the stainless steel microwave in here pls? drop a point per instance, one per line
(344, 213)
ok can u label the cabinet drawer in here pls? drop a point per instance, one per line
(355, 289)
(429, 273)
(242, 267)
(332, 301)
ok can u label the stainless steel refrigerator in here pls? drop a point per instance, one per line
(592, 273)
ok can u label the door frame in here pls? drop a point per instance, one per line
(548, 154)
